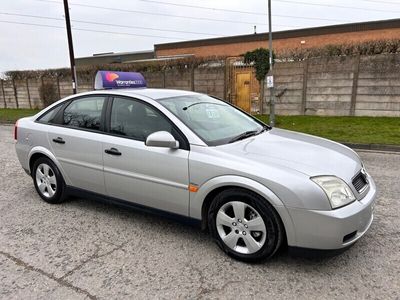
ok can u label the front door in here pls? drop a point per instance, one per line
(150, 176)
(243, 91)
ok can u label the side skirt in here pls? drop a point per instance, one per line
(81, 193)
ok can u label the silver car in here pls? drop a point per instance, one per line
(191, 156)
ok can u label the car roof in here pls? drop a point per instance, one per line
(152, 93)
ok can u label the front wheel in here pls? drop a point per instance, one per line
(48, 181)
(245, 225)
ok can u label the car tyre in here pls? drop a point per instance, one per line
(245, 225)
(48, 181)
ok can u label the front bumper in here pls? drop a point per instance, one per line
(333, 229)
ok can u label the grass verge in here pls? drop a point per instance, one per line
(10, 115)
(360, 130)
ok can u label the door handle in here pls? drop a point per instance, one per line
(113, 151)
(59, 140)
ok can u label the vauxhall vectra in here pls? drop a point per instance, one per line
(192, 156)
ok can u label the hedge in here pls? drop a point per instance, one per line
(88, 72)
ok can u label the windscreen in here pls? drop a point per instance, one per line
(214, 121)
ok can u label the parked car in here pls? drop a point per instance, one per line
(192, 156)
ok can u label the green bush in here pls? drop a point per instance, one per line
(260, 59)
(87, 73)
(48, 93)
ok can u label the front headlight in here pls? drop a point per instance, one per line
(338, 192)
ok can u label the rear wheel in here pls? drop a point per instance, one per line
(245, 225)
(48, 181)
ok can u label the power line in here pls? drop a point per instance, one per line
(108, 24)
(33, 24)
(339, 6)
(146, 28)
(154, 13)
(377, 1)
(166, 15)
(31, 16)
(131, 34)
(240, 11)
(204, 7)
(91, 30)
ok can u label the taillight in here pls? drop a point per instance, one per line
(16, 130)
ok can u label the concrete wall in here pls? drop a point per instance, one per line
(25, 93)
(341, 86)
(360, 86)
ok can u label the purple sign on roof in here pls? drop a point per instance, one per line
(117, 80)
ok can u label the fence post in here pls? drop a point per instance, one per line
(227, 81)
(15, 93)
(41, 102)
(4, 95)
(304, 92)
(226, 76)
(192, 77)
(356, 71)
(164, 71)
(58, 87)
(29, 94)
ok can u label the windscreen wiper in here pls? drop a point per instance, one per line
(197, 103)
(244, 135)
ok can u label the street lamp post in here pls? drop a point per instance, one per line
(70, 46)
(272, 89)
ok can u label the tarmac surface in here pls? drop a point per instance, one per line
(83, 249)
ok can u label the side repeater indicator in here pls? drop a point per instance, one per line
(193, 188)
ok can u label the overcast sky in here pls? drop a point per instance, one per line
(25, 46)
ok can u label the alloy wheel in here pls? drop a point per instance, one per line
(46, 180)
(241, 227)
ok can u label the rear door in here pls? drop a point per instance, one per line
(76, 142)
(151, 176)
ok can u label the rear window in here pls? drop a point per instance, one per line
(49, 116)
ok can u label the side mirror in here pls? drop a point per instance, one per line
(162, 139)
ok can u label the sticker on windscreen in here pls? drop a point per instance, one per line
(212, 113)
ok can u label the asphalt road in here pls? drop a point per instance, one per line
(84, 249)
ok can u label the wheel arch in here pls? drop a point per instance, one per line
(38, 152)
(201, 201)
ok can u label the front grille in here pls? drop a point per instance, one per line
(359, 182)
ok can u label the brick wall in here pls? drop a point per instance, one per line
(239, 48)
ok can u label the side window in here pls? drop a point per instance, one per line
(84, 113)
(136, 120)
(49, 116)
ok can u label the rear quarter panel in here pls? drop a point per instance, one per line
(32, 139)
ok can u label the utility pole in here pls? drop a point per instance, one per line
(272, 89)
(70, 46)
